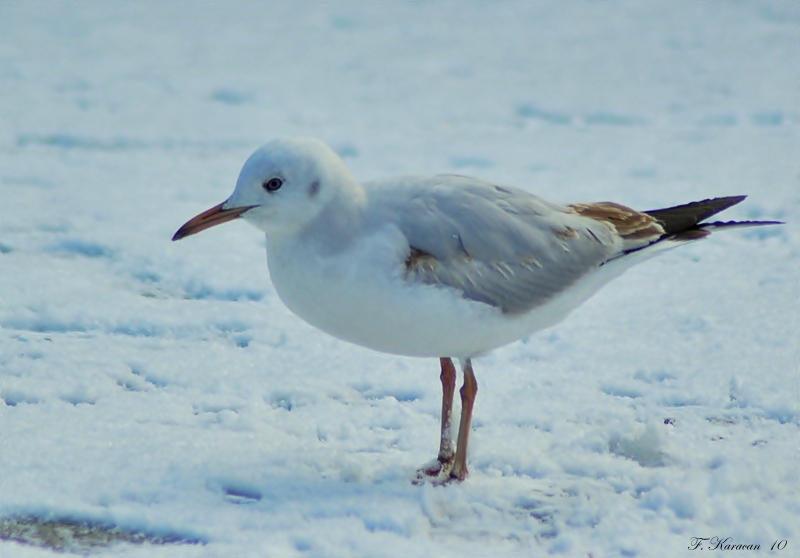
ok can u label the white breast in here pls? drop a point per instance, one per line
(361, 296)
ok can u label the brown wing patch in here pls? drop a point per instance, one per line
(629, 223)
(420, 262)
(692, 234)
(567, 233)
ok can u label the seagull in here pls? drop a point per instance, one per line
(442, 266)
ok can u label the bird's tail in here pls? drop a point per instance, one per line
(685, 222)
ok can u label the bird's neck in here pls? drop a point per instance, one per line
(337, 225)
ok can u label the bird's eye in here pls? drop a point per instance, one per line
(272, 184)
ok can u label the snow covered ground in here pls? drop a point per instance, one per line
(163, 388)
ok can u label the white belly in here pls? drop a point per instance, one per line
(361, 296)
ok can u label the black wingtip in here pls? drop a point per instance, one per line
(683, 217)
(723, 224)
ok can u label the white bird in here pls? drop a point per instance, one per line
(438, 266)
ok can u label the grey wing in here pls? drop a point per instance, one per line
(498, 245)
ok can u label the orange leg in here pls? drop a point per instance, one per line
(444, 461)
(468, 392)
(448, 378)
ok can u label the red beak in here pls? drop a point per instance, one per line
(207, 219)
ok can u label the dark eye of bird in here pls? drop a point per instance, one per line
(272, 184)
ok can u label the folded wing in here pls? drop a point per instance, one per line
(510, 249)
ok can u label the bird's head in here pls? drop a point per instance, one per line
(282, 187)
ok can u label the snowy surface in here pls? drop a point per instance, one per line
(163, 387)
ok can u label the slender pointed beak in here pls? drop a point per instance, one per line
(207, 219)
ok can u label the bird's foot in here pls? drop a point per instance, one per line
(437, 471)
